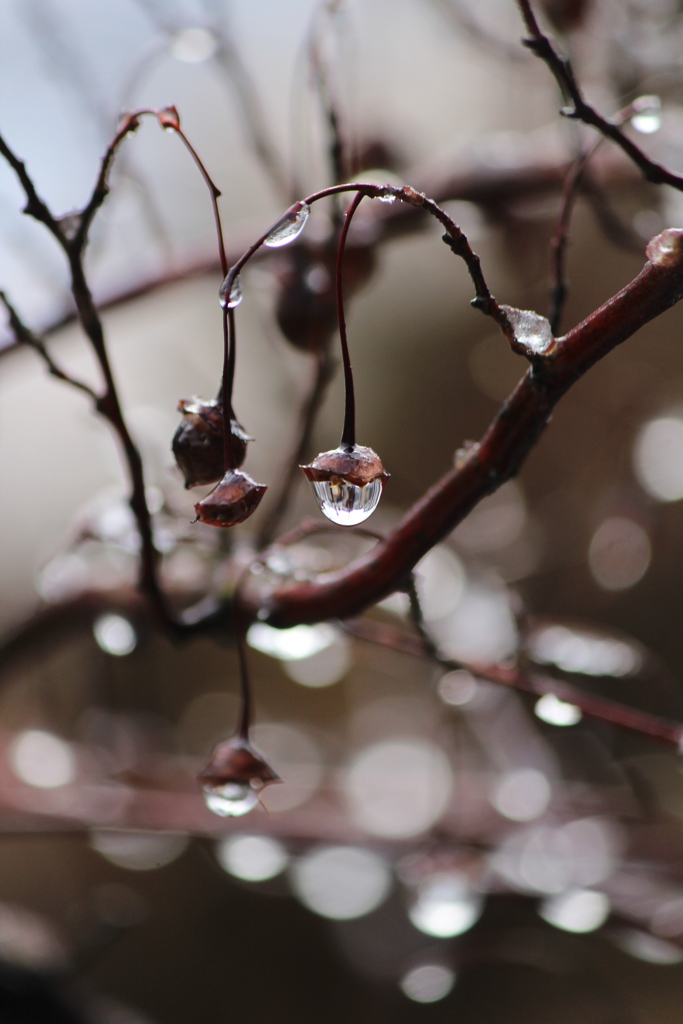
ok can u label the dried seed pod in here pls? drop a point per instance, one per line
(347, 483)
(198, 444)
(232, 501)
(234, 776)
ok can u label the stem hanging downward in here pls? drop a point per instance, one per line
(348, 439)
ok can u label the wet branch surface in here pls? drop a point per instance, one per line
(498, 456)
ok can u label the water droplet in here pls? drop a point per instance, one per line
(387, 199)
(230, 799)
(345, 503)
(532, 331)
(446, 906)
(647, 118)
(289, 226)
(554, 711)
(235, 293)
(115, 635)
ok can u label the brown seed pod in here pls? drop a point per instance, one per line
(232, 501)
(237, 760)
(198, 445)
(357, 465)
(234, 776)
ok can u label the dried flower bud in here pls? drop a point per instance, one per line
(234, 776)
(198, 444)
(232, 501)
(347, 483)
(169, 118)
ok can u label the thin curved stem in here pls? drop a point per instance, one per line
(215, 195)
(245, 686)
(348, 438)
(229, 344)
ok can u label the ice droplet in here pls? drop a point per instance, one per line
(235, 293)
(647, 118)
(344, 503)
(532, 331)
(230, 799)
(289, 226)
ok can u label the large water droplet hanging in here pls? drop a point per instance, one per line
(235, 293)
(289, 226)
(345, 503)
(230, 799)
(647, 118)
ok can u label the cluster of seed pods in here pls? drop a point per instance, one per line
(210, 447)
(347, 482)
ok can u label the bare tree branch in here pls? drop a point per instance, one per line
(497, 457)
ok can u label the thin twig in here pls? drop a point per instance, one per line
(580, 110)
(599, 708)
(24, 336)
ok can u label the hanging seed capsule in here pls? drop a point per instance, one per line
(289, 226)
(234, 499)
(169, 118)
(198, 444)
(347, 483)
(234, 776)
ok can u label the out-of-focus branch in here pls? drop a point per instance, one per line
(599, 708)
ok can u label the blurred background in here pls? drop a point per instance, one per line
(440, 846)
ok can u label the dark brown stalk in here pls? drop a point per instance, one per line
(348, 438)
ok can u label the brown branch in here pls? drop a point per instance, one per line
(496, 458)
(599, 708)
(491, 189)
(576, 179)
(580, 110)
(35, 207)
(24, 336)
